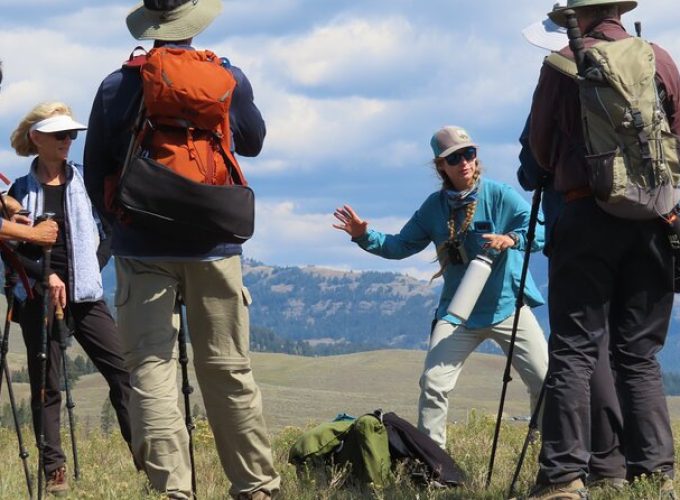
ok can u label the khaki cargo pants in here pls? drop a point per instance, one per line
(217, 316)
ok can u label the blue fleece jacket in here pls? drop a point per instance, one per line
(83, 235)
(500, 209)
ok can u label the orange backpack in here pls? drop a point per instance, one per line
(180, 167)
(187, 94)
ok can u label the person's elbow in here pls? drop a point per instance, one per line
(250, 148)
(249, 144)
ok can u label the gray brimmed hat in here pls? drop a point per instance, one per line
(448, 139)
(172, 20)
(558, 17)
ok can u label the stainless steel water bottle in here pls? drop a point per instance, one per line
(470, 287)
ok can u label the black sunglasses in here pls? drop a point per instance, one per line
(455, 158)
(63, 134)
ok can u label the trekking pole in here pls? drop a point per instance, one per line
(23, 454)
(42, 356)
(63, 335)
(519, 303)
(533, 425)
(187, 389)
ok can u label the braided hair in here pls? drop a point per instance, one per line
(443, 256)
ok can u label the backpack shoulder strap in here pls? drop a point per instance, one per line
(136, 61)
(562, 64)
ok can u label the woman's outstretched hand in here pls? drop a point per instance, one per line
(350, 222)
(500, 242)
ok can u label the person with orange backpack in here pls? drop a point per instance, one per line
(160, 165)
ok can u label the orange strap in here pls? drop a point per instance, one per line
(577, 194)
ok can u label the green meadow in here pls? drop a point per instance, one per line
(299, 392)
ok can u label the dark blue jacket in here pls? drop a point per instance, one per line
(113, 112)
(530, 175)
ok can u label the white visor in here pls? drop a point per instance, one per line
(546, 35)
(57, 123)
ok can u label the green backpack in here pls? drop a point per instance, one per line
(632, 160)
(362, 443)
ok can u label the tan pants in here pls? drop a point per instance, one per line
(450, 346)
(217, 316)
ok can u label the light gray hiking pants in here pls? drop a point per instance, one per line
(217, 315)
(450, 346)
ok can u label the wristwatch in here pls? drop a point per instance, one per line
(515, 238)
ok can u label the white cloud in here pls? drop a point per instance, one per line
(287, 235)
(94, 24)
(69, 71)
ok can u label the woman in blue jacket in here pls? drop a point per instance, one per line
(53, 184)
(469, 215)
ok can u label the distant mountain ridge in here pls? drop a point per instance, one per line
(374, 309)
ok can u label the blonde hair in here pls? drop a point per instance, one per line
(21, 138)
(470, 208)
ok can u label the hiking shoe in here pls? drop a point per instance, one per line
(667, 491)
(570, 490)
(57, 484)
(254, 495)
(594, 481)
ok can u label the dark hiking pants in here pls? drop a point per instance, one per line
(606, 441)
(607, 275)
(96, 333)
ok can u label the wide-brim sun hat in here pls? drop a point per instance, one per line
(172, 20)
(558, 17)
(450, 138)
(57, 123)
(546, 35)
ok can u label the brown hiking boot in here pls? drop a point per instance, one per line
(595, 481)
(667, 490)
(570, 490)
(57, 484)
(255, 495)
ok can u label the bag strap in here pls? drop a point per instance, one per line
(562, 64)
(136, 127)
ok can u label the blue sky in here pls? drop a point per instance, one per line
(351, 92)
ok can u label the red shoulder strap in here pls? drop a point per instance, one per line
(136, 61)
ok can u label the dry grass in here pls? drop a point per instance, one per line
(107, 471)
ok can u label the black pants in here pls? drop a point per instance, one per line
(96, 332)
(606, 442)
(608, 276)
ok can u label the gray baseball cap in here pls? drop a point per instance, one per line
(448, 139)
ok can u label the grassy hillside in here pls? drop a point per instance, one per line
(299, 389)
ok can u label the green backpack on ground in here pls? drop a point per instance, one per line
(362, 443)
(632, 160)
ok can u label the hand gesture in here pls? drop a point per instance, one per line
(13, 206)
(499, 242)
(57, 290)
(44, 233)
(21, 219)
(350, 222)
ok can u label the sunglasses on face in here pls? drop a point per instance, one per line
(63, 134)
(455, 158)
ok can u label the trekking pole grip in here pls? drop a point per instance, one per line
(59, 312)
